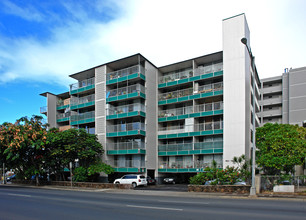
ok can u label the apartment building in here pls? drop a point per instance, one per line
(164, 121)
(283, 98)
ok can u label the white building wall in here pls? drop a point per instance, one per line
(236, 80)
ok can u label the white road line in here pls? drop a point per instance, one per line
(201, 203)
(22, 195)
(152, 207)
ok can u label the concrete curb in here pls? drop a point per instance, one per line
(167, 193)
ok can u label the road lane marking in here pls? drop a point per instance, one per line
(201, 203)
(22, 195)
(152, 207)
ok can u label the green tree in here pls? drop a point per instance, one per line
(23, 145)
(75, 144)
(280, 147)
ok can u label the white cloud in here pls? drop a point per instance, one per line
(163, 31)
(27, 13)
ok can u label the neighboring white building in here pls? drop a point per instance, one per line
(171, 120)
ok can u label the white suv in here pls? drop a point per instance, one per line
(134, 179)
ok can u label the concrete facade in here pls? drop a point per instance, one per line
(283, 98)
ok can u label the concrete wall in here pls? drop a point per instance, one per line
(236, 80)
(297, 96)
(100, 111)
(51, 111)
(151, 117)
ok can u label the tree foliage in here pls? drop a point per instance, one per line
(23, 145)
(30, 149)
(280, 147)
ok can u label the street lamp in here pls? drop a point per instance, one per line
(253, 188)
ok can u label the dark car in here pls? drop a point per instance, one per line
(169, 180)
(151, 181)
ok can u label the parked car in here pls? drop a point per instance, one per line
(8, 179)
(151, 181)
(134, 179)
(169, 180)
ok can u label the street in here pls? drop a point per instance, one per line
(37, 203)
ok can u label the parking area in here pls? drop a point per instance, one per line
(165, 187)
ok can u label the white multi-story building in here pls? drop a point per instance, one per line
(170, 120)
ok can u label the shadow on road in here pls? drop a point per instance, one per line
(165, 187)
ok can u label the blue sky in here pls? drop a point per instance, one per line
(42, 42)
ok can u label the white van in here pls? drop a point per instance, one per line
(134, 179)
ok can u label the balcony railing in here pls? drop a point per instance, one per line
(125, 145)
(189, 91)
(128, 164)
(83, 116)
(188, 110)
(187, 164)
(125, 109)
(208, 107)
(191, 128)
(125, 90)
(63, 115)
(43, 109)
(125, 72)
(208, 145)
(82, 100)
(83, 83)
(125, 127)
(170, 77)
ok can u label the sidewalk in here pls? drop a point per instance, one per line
(167, 193)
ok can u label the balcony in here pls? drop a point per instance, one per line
(177, 131)
(62, 104)
(190, 75)
(133, 147)
(63, 117)
(82, 86)
(83, 118)
(134, 166)
(124, 111)
(82, 102)
(209, 147)
(271, 101)
(184, 166)
(270, 113)
(125, 74)
(135, 128)
(125, 93)
(272, 89)
(190, 94)
(44, 110)
(207, 109)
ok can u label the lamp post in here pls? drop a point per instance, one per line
(253, 188)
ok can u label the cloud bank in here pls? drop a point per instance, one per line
(81, 34)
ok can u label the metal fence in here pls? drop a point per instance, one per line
(268, 182)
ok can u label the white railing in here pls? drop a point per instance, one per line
(191, 128)
(83, 116)
(185, 164)
(174, 76)
(189, 91)
(125, 90)
(125, 145)
(125, 72)
(125, 109)
(63, 115)
(43, 109)
(83, 83)
(207, 145)
(126, 127)
(189, 109)
(82, 100)
(128, 163)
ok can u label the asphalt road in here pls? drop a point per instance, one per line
(36, 203)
